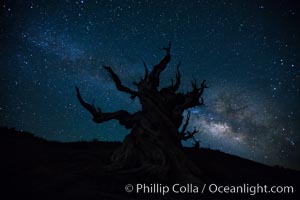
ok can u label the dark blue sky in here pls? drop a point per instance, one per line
(248, 51)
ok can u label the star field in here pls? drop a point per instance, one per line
(248, 51)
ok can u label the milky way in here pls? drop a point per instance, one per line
(248, 51)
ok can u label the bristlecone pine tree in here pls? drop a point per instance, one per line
(153, 147)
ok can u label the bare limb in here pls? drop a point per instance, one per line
(178, 78)
(202, 87)
(146, 71)
(167, 49)
(99, 117)
(157, 69)
(186, 123)
(119, 84)
(189, 134)
(173, 87)
(194, 98)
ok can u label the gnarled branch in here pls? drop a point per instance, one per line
(202, 87)
(173, 87)
(189, 134)
(194, 98)
(146, 71)
(185, 125)
(157, 69)
(119, 84)
(167, 49)
(98, 116)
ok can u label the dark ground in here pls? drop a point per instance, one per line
(40, 169)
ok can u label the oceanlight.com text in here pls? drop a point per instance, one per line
(157, 188)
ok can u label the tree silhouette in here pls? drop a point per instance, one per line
(153, 147)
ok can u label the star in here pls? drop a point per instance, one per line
(247, 55)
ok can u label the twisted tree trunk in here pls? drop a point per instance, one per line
(153, 147)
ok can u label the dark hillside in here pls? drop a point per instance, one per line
(33, 167)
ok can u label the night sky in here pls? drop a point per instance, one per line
(248, 51)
